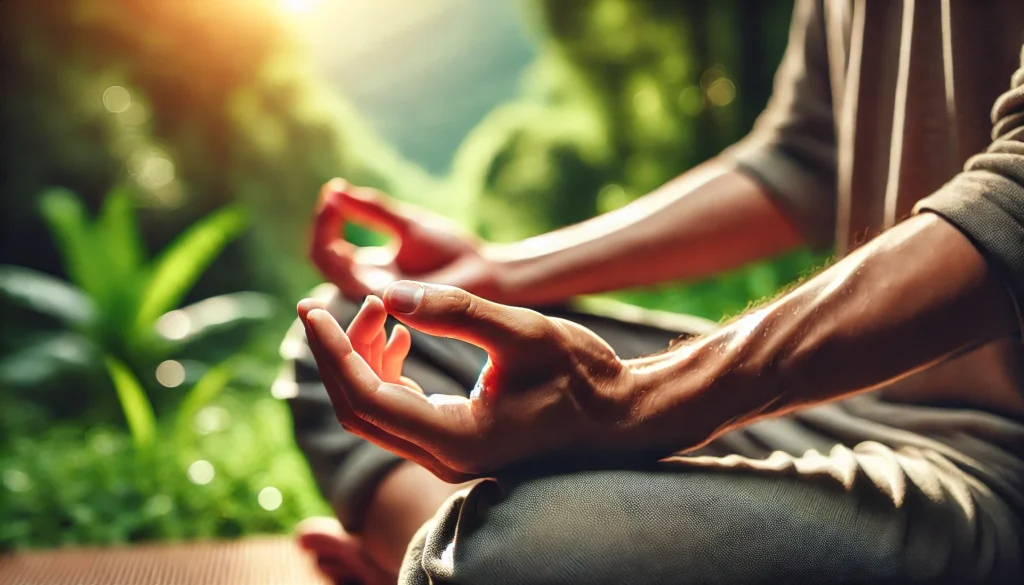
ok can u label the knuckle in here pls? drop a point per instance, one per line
(457, 303)
(539, 331)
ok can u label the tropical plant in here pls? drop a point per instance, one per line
(118, 317)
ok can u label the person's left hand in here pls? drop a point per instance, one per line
(551, 387)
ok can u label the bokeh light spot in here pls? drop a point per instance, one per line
(211, 419)
(270, 498)
(201, 472)
(136, 114)
(116, 99)
(158, 505)
(647, 102)
(170, 373)
(17, 480)
(709, 76)
(174, 325)
(156, 172)
(721, 92)
(283, 388)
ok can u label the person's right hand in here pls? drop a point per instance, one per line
(426, 247)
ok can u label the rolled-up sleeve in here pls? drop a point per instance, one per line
(986, 200)
(792, 148)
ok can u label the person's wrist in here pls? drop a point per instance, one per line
(507, 270)
(678, 403)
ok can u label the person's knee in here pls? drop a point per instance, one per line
(580, 527)
(661, 526)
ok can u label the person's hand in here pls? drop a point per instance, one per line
(551, 387)
(340, 556)
(426, 247)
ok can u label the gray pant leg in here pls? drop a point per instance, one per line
(719, 523)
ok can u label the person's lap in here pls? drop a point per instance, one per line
(828, 495)
(866, 514)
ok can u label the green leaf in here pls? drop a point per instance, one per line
(46, 359)
(136, 406)
(69, 225)
(206, 389)
(215, 315)
(183, 262)
(47, 295)
(117, 236)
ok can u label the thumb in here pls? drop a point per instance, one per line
(452, 312)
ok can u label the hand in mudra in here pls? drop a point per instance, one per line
(425, 246)
(550, 388)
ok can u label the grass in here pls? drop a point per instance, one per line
(70, 485)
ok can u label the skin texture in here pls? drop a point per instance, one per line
(554, 389)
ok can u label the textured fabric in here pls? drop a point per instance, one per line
(881, 109)
(861, 491)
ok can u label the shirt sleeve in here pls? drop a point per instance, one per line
(792, 148)
(986, 200)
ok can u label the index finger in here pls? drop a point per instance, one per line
(329, 221)
(401, 411)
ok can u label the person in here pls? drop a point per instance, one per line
(866, 426)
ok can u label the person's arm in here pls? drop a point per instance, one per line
(907, 299)
(769, 193)
(904, 301)
(709, 219)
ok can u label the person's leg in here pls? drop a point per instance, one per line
(867, 513)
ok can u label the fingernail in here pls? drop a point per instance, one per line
(405, 296)
(314, 317)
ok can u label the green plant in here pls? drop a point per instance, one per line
(118, 313)
(72, 486)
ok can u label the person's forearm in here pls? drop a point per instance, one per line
(707, 220)
(904, 301)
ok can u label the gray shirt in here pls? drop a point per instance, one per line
(884, 109)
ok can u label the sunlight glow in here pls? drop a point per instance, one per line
(298, 6)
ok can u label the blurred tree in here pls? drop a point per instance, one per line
(198, 102)
(626, 95)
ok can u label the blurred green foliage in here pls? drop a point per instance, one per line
(199, 105)
(68, 485)
(211, 103)
(119, 313)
